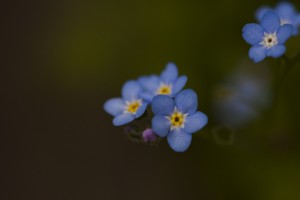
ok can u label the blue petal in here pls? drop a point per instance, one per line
(284, 33)
(114, 106)
(298, 20)
(141, 110)
(179, 84)
(169, 74)
(130, 90)
(257, 53)
(297, 25)
(187, 101)
(195, 122)
(179, 140)
(123, 119)
(253, 33)
(285, 10)
(276, 51)
(163, 105)
(270, 22)
(146, 96)
(160, 125)
(261, 11)
(149, 83)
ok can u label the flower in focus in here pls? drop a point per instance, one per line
(127, 108)
(268, 37)
(168, 83)
(177, 118)
(287, 13)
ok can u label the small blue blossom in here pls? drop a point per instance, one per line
(287, 13)
(127, 108)
(245, 95)
(168, 83)
(268, 37)
(177, 118)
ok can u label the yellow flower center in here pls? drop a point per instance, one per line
(177, 119)
(133, 106)
(164, 89)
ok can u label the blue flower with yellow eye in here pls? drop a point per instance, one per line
(268, 37)
(177, 119)
(127, 108)
(168, 83)
(286, 12)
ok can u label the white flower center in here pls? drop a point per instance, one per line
(269, 40)
(132, 106)
(176, 119)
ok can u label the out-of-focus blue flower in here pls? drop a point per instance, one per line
(243, 96)
(177, 118)
(127, 108)
(287, 13)
(168, 83)
(149, 135)
(267, 38)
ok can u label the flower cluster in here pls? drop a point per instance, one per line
(174, 111)
(286, 12)
(156, 106)
(275, 27)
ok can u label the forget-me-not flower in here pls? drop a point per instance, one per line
(268, 37)
(177, 118)
(168, 83)
(127, 108)
(245, 94)
(287, 13)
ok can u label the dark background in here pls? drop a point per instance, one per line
(61, 60)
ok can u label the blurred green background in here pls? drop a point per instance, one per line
(62, 60)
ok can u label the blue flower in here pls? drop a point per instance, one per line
(245, 95)
(287, 13)
(177, 118)
(168, 83)
(127, 108)
(267, 38)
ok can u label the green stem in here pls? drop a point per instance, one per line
(289, 65)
